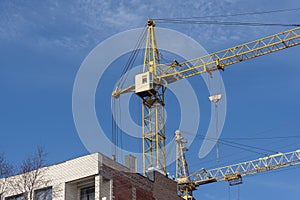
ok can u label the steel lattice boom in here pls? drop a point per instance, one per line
(172, 72)
(234, 172)
(218, 60)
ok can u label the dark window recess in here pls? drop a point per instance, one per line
(43, 194)
(87, 193)
(16, 197)
(144, 79)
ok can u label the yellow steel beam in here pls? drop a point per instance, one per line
(172, 72)
(236, 171)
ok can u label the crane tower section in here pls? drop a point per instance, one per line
(152, 94)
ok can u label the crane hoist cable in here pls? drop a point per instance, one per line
(235, 144)
(285, 125)
(245, 157)
(266, 131)
(228, 23)
(228, 140)
(277, 139)
(239, 146)
(241, 158)
(281, 126)
(116, 107)
(262, 138)
(133, 56)
(237, 14)
(230, 195)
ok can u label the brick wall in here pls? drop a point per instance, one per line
(164, 188)
(134, 186)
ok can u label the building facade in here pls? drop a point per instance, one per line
(92, 177)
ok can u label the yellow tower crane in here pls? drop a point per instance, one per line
(150, 85)
(187, 183)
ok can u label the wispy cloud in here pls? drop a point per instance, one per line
(85, 23)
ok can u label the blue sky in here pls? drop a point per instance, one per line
(44, 43)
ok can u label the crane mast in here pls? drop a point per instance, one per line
(152, 94)
(150, 85)
(185, 185)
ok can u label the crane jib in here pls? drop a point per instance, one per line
(172, 72)
(219, 60)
